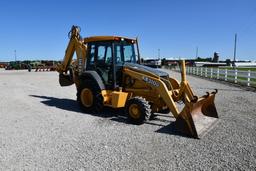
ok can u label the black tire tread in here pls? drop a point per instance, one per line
(144, 106)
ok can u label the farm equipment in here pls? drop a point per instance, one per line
(107, 72)
(46, 66)
(16, 65)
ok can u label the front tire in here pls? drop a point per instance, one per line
(138, 110)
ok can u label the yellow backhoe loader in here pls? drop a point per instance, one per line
(107, 72)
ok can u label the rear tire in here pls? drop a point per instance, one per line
(138, 110)
(89, 97)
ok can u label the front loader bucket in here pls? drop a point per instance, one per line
(198, 117)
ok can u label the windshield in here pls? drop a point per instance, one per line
(125, 52)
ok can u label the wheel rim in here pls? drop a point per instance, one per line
(134, 111)
(87, 97)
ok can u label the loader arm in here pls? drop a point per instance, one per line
(156, 84)
(194, 107)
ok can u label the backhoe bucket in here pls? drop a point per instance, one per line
(198, 117)
(65, 80)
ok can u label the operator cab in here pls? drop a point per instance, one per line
(108, 57)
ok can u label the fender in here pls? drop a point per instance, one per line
(93, 75)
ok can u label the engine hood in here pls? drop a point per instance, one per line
(146, 69)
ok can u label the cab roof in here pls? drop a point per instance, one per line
(107, 38)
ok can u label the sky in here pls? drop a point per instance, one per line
(37, 29)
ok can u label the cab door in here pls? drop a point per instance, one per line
(100, 59)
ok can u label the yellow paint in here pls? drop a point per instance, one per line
(134, 111)
(87, 97)
(115, 99)
(106, 38)
(118, 99)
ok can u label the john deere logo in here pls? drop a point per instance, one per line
(150, 81)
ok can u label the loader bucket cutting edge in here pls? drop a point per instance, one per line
(196, 119)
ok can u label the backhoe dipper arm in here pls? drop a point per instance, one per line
(75, 44)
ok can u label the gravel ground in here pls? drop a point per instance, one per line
(42, 128)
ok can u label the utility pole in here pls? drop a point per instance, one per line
(159, 54)
(196, 52)
(15, 55)
(235, 48)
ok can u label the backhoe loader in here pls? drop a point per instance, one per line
(107, 72)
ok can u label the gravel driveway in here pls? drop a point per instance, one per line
(42, 128)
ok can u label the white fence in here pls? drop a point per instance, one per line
(231, 75)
